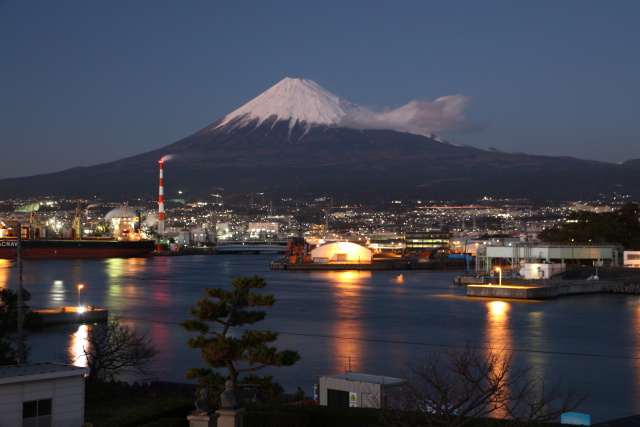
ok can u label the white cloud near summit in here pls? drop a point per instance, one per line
(445, 114)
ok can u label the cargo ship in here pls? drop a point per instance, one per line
(126, 241)
(75, 248)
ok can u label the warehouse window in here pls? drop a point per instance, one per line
(337, 398)
(37, 413)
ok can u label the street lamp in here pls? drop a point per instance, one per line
(80, 286)
(499, 270)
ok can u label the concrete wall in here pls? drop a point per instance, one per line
(583, 287)
(513, 292)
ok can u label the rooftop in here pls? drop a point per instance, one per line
(38, 371)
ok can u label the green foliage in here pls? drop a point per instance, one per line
(264, 387)
(223, 347)
(620, 226)
(9, 323)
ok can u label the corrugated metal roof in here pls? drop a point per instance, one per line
(29, 371)
(376, 379)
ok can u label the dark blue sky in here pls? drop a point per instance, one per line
(86, 82)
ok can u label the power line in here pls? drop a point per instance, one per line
(416, 343)
(423, 344)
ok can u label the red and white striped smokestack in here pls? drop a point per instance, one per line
(161, 200)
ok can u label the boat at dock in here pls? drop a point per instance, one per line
(35, 240)
(85, 248)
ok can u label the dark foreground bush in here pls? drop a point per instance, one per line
(168, 422)
(153, 413)
(308, 416)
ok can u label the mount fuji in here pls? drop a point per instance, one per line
(297, 139)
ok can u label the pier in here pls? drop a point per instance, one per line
(376, 264)
(551, 289)
(67, 315)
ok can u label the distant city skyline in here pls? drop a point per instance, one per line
(89, 83)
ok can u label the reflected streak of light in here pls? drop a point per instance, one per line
(538, 359)
(347, 299)
(5, 268)
(636, 353)
(58, 292)
(499, 336)
(77, 344)
(116, 269)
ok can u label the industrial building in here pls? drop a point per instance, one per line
(354, 390)
(516, 255)
(429, 240)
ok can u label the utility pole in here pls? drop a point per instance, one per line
(20, 308)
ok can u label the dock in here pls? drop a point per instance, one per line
(385, 264)
(67, 315)
(552, 289)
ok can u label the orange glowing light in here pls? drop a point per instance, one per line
(77, 346)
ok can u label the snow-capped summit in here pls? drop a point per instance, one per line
(294, 100)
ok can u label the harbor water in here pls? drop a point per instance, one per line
(376, 322)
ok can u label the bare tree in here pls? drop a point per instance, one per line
(113, 347)
(453, 387)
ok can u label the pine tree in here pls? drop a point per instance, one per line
(225, 347)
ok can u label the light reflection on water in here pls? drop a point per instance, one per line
(380, 320)
(500, 340)
(77, 345)
(5, 266)
(636, 335)
(347, 290)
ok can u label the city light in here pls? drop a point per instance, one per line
(499, 270)
(80, 286)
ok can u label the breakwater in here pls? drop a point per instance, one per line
(535, 290)
(399, 264)
(67, 315)
(624, 288)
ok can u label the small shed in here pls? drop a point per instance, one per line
(42, 394)
(355, 390)
(341, 252)
(542, 270)
(632, 259)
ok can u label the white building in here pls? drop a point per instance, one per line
(42, 394)
(631, 259)
(262, 229)
(541, 270)
(343, 252)
(183, 238)
(223, 229)
(354, 390)
(518, 254)
(199, 235)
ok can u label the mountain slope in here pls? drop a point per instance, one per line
(289, 142)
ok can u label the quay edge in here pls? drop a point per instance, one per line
(552, 290)
(66, 315)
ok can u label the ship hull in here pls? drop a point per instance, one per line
(76, 249)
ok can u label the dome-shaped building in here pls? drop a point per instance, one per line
(341, 252)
